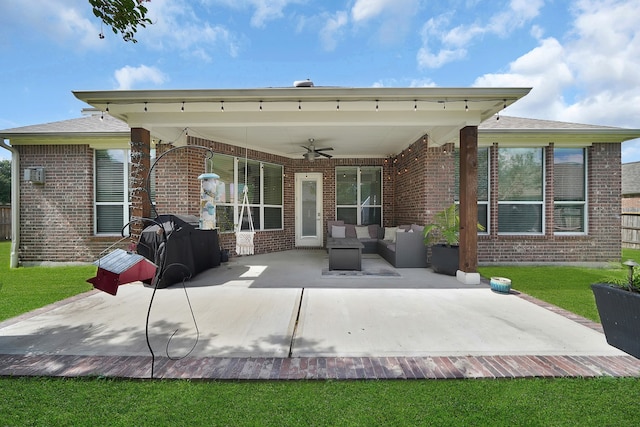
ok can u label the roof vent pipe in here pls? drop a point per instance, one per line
(303, 83)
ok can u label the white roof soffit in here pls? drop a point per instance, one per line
(559, 137)
(356, 122)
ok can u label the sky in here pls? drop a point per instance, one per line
(581, 57)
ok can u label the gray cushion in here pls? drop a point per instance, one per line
(338, 231)
(332, 223)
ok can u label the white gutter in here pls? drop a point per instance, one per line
(15, 203)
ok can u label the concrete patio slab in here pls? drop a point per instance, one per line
(230, 321)
(436, 322)
(278, 316)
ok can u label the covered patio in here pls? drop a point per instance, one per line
(360, 125)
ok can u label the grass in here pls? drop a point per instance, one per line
(25, 289)
(108, 402)
(566, 287)
(104, 402)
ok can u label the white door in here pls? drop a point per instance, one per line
(309, 210)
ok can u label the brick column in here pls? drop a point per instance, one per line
(140, 159)
(469, 199)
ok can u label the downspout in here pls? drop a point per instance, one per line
(15, 203)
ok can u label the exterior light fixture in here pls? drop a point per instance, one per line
(631, 264)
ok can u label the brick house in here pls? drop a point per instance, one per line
(631, 187)
(545, 191)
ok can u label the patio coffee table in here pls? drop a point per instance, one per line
(345, 254)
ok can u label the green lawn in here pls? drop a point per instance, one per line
(25, 289)
(566, 287)
(106, 402)
(537, 402)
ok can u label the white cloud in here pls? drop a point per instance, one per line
(333, 28)
(64, 22)
(364, 10)
(176, 26)
(442, 44)
(546, 71)
(590, 78)
(393, 17)
(422, 83)
(265, 10)
(596, 68)
(127, 77)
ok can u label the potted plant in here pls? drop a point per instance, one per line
(618, 303)
(443, 235)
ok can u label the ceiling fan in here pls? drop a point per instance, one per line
(313, 152)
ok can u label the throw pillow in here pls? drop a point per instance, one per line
(362, 232)
(417, 228)
(390, 233)
(338, 231)
(330, 224)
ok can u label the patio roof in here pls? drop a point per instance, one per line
(356, 122)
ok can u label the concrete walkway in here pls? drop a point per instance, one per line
(284, 315)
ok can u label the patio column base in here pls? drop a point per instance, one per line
(468, 278)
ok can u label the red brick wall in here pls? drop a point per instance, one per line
(603, 241)
(57, 218)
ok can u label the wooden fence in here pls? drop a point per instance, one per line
(5, 222)
(631, 230)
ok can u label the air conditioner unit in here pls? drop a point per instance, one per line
(35, 175)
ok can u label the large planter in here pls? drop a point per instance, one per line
(445, 259)
(619, 312)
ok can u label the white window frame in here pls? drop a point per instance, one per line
(239, 178)
(125, 203)
(585, 202)
(541, 203)
(359, 206)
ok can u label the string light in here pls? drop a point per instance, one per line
(503, 107)
(182, 104)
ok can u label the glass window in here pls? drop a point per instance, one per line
(111, 191)
(359, 195)
(520, 190)
(569, 190)
(483, 185)
(264, 183)
(113, 185)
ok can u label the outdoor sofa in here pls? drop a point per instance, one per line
(401, 246)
